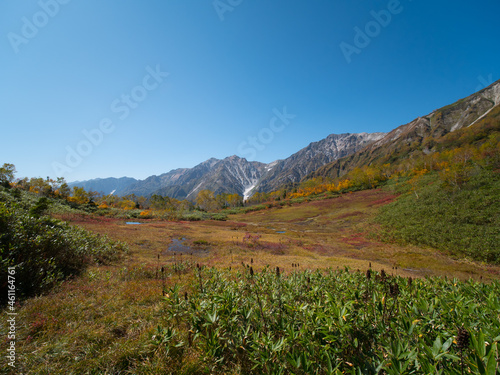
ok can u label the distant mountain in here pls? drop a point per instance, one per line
(418, 135)
(230, 175)
(237, 175)
(105, 186)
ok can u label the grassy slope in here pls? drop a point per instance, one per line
(462, 222)
(104, 320)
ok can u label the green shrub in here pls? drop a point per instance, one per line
(234, 210)
(194, 216)
(40, 207)
(134, 214)
(219, 217)
(45, 251)
(201, 242)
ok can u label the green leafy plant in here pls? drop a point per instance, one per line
(338, 322)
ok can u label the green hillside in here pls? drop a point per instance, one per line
(462, 222)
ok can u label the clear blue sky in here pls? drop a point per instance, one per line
(85, 64)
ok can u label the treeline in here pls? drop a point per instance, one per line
(454, 167)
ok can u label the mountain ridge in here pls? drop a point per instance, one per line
(417, 134)
(234, 174)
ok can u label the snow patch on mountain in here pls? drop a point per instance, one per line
(248, 190)
(271, 165)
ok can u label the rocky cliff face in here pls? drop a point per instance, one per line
(230, 175)
(462, 113)
(237, 175)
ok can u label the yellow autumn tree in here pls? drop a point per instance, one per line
(127, 204)
(206, 200)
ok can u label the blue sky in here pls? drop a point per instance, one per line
(162, 84)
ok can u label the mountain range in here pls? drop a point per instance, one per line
(234, 174)
(332, 156)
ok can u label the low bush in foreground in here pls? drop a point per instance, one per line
(331, 323)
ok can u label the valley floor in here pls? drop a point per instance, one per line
(107, 316)
(333, 233)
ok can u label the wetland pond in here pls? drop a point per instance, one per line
(178, 246)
